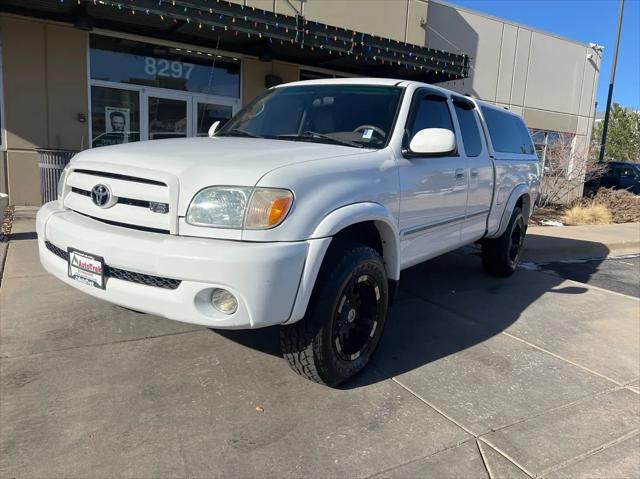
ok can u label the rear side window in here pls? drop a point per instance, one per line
(468, 128)
(508, 132)
(431, 112)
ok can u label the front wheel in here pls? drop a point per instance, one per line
(345, 318)
(500, 255)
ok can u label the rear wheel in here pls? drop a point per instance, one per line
(344, 320)
(500, 256)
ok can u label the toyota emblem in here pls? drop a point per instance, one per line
(101, 196)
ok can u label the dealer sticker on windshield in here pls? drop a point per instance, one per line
(86, 268)
(367, 133)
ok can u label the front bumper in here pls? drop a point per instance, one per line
(264, 277)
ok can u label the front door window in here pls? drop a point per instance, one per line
(208, 113)
(115, 116)
(167, 118)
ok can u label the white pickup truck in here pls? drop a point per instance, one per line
(301, 211)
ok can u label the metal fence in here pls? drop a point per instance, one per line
(51, 163)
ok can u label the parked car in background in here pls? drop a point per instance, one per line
(300, 212)
(618, 175)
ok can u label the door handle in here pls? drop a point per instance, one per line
(460, 174)
(474, 172)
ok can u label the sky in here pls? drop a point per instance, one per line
(588, 21)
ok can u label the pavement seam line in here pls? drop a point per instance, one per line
(617, 383)
(19, 356)
(442, 413)
(554, 409)
(25, 276)
(603, 289)
(505, 455)
(484, 460)
(589, 453)
(411, 461)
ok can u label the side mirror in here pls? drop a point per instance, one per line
(433, 141)
(213, 128)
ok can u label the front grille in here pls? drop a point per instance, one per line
(118, 176)
(126, 225)
(123, 274)
(121, 200)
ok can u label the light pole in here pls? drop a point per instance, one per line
(603, 141)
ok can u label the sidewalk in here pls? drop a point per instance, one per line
(550, 243)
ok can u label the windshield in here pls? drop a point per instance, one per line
(354, 115)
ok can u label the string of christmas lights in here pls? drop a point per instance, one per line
(225, 16)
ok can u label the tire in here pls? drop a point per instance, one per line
(500, 255)
(344, 320)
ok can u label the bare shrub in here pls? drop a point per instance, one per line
(565, 172)
(587, 215)
(623, 205)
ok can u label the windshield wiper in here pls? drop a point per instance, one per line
(310, 135)
(239, 132)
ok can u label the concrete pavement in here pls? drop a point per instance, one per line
(549, 243)
(536, 375)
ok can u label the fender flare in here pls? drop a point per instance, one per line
(521, 190)
(331, 225)
(349, 215)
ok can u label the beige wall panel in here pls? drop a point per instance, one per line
(520, 66)
(23, 176)
(67, 86)
(288, 8)
(547, 120)
(23, 64)
(589, 84)
(556, 68)
(507, 60)
(583, 125)
(261, 4)
(474, 34)
(418, 12)
(386, 18)
(3, 173)
(287, 71)
(254, 72)
(516, 109)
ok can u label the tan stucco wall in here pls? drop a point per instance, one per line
(3, 172)
(254, 72)
(45, 88)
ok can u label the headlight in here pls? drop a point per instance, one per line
(63, 176)
(238, 207)
(219, 206)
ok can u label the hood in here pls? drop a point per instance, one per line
(200, 162)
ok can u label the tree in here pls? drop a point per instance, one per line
(623, 135)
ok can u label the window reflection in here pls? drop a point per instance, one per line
(127, 61)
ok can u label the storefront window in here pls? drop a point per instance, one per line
(126, 61)
(209, 113)
(553, 147)
(115, 116)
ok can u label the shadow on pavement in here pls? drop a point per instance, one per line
(447, 305)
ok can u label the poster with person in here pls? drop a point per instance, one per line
(117, 120)
(117, 127)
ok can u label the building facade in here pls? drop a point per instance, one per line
(76, 77)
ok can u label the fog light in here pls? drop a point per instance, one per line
(224, 301)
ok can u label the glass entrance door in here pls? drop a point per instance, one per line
(207, 110)
(122, 115)
(168, 117)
